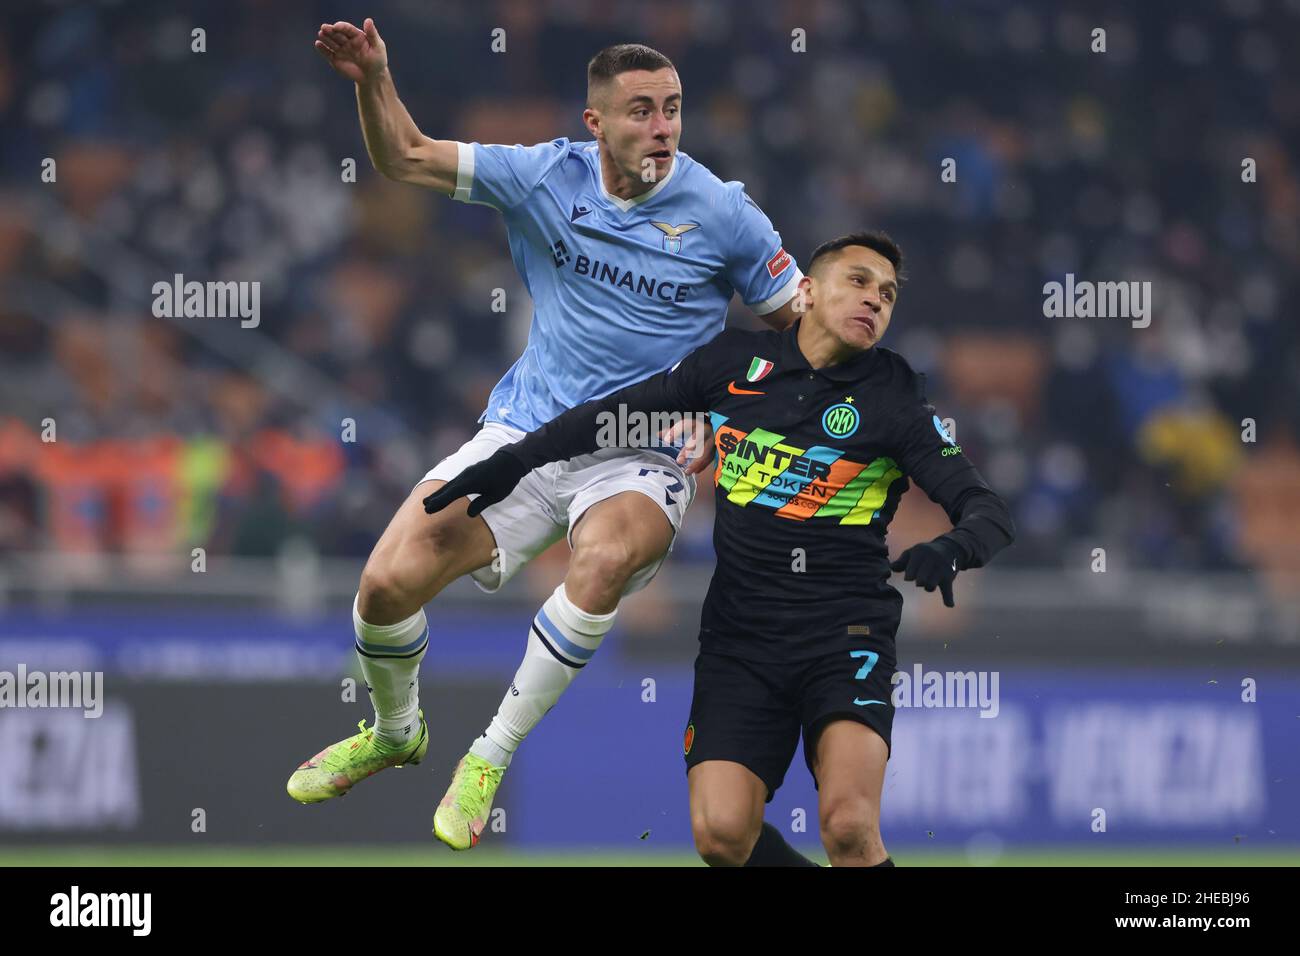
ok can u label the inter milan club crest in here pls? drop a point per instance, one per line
(841, 421)
(673, 234)
(758, 369)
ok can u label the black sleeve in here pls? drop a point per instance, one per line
(687, 388)
(982, 524)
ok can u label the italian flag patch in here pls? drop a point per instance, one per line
(758, 370)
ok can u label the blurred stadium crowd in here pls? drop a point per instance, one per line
(376, 297)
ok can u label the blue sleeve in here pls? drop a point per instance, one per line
(503, 176)
(758, 267)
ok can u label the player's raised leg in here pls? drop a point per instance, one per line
(417, 556)
(612, 540)
(849, 761)
(727, 800)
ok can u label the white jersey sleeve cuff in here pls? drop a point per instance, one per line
(781, 298)
(464, 171)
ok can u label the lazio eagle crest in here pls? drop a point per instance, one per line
(673, 234)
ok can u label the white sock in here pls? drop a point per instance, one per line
(390, 658)
(563, 637)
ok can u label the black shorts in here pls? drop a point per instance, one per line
(752, 713)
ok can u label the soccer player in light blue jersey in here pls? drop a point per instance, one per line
(631, 252)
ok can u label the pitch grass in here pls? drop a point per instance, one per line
(437, 855)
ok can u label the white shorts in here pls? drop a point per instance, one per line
(548, 502)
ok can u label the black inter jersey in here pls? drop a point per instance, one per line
(811, 464)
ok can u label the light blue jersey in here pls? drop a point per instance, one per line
(621, 288)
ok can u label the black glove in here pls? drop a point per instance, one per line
(931, 565)
(492, 479)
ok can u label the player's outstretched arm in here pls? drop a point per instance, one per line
(396, 146)
(581, 430)
(491, 479)
(784, 317)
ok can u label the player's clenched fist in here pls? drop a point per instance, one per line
(358, 54)
(491, 479)
(931, 565)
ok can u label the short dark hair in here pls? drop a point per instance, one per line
(875, 241)
(620, 58)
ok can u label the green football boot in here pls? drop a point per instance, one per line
(462, 815)
(334, 771)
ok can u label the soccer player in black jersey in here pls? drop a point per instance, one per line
(818, 432)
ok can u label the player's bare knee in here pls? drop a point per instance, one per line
(602, 567)
(389, 590)
(719, 854)
(724, 840)
(382, 597)
(849, 828)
